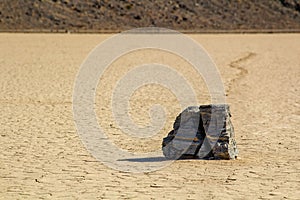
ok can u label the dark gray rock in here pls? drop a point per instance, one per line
(184, 138)
(202, 132)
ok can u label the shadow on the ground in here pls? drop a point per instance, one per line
(159, 159)
(147, 159)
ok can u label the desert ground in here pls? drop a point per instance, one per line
(42, 156)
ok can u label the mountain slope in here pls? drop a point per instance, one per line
(114, 15)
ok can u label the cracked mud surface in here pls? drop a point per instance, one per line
(42, 157)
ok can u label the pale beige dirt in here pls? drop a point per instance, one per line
(43, 157)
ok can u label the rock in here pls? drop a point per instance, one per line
(185, 139)
(202, 132)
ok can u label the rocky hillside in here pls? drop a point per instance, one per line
(115, 15)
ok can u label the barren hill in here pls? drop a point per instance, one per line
(114, 15)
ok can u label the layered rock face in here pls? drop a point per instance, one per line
(202, 132)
